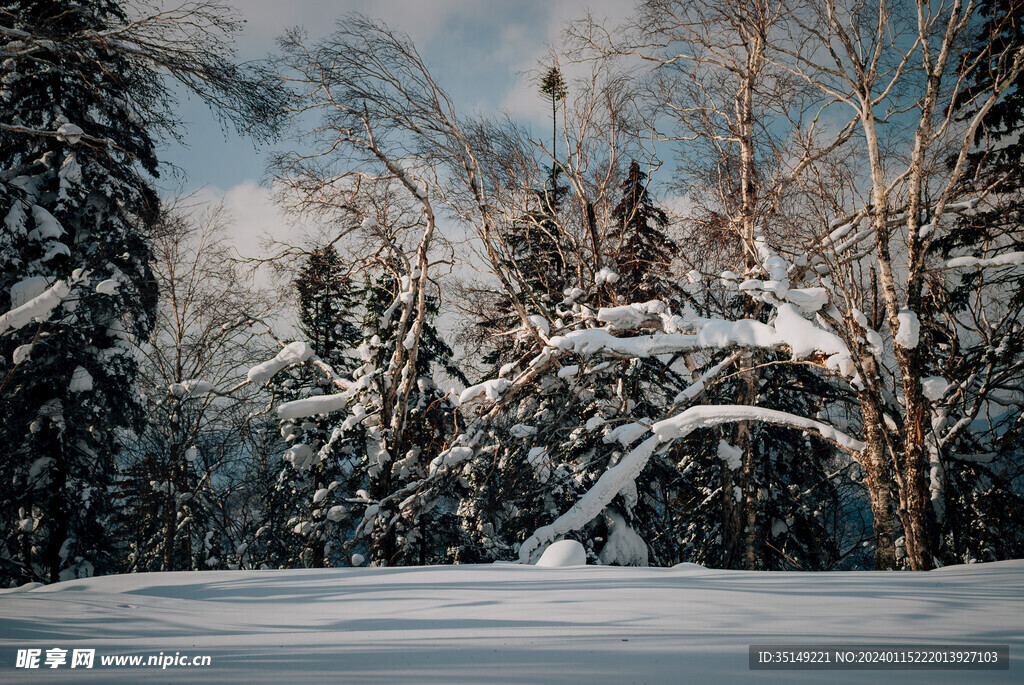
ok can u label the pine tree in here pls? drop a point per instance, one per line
(300, 526)
(82, 113)
(643, 253)
(76, 219)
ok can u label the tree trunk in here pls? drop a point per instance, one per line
(879, 482)
(916, 514)
(317, 547)
(59, 515)
(753, 550)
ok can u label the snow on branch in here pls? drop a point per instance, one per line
(1008, 259)
(192, 388)
(313, 406)
(590, 506)
(298, 352)
(714, 334)
(492, 390)
(683, 424)
(630, 315)
(612, 481)
(36, 309)
(292, 353)
(790, 329)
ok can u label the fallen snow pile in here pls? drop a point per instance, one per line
(563, 553)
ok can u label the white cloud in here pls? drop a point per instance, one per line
(251, 211)
(523, 100)
(267, 19)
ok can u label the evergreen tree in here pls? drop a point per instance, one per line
(795, 480)
(82, 112)
(538, 256)
(643, 253)
(539, 456)
(327, 302)
(552, 87)
(297, 509)
(539, 250)
(549, 446)
(75, 218)
(341, 467)
(540, 263)
(981, 500)
(432, 535)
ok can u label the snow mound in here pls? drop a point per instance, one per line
(563, 553)
(605, 275)
(689, 566)
(624, 547)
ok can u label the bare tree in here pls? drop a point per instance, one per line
(900, 67)
(715, 94)
(191, 43)
(179, 471)
(383, 123)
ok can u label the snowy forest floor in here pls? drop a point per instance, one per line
(505, 623)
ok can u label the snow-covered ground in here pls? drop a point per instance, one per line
(505, 623)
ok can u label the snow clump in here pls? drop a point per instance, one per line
(563, 553)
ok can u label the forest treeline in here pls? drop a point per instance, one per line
(753, 300)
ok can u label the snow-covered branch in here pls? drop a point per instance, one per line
(38, 308)
(622, 475)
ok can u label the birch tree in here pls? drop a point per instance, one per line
(899, 67)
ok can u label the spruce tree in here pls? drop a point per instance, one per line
(75, 218)
(81, 113)
(643, 253)
(327, 302)
(298, 507)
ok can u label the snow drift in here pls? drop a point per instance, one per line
(508, 623)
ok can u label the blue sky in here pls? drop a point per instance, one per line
(480, 51)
